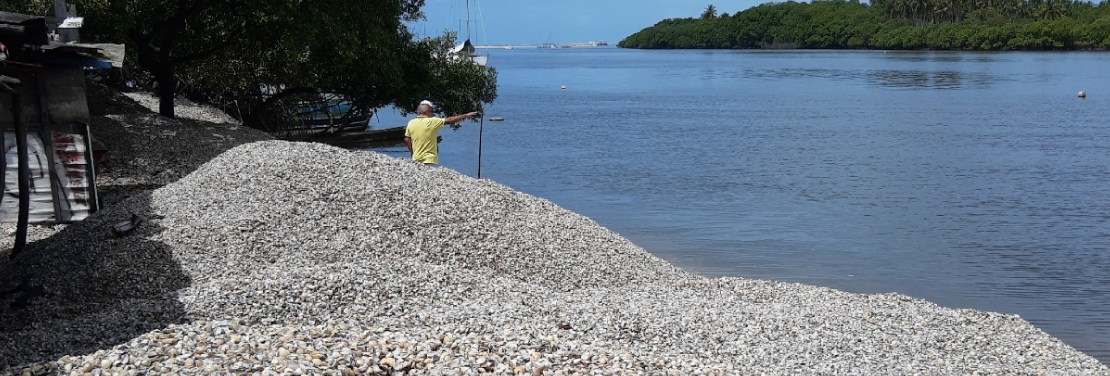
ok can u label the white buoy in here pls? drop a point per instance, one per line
(1082, 94)
(564, 87)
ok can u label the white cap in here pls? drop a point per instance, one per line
(430, 105)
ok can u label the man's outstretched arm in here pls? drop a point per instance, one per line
(458, 118)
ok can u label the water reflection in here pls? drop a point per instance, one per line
(944, 80)
(943, 57)
(890, 78)
(802, 73)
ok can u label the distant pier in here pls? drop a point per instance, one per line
(545, 45)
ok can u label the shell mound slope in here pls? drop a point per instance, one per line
(277, 257)
(269, 201)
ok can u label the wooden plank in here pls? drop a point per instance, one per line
(111, 53)
(29, 31)
(114, 53)
(48, 144)
(15, 18)
(15, 31)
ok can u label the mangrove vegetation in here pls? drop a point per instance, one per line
(890, 24)
(256, 59)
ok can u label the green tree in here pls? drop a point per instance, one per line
(261, 57)
(1051, 9)
(892, 24)
(166, 35)
(30, 7)
(709, 13)
(360, 53)
(459, 86)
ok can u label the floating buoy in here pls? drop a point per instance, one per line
(564, 87)
(496, 119)
(1082, 94)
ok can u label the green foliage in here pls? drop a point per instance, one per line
(892, 24)
(259, 58)
(30, 7)
(459, 86)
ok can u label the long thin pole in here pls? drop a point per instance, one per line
(467, 19)
(23, 173)
(481, 126)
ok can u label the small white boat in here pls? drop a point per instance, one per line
(466, 50)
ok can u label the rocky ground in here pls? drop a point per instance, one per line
(269, 257)
(148, 151)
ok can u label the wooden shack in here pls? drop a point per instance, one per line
(48, 176)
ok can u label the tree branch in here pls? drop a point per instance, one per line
(273, 99)
(207, 52)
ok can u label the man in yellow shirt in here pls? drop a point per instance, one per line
(421, 135)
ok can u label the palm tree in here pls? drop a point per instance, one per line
(986, 4)
(1011, 8)
(919, 9)
(709, 13)
(943, 10)
(948, 10)
(1052, 10)
(896, 9)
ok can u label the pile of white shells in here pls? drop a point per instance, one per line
(299, 258)
(184, 108)
(147, 151)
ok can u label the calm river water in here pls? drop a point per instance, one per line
(973, 180)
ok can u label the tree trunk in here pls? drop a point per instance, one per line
(255, 113)
(166, 89)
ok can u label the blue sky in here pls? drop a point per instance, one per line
(559, 21)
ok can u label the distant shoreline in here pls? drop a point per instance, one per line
(888, 25)
(861, 49)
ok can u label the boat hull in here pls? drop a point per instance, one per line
(388, 135)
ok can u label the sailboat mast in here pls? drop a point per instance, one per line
(467, 19)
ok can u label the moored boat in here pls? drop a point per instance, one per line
(363, 137)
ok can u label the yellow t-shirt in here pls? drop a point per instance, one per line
(423, 131)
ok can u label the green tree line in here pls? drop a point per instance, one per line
(258, 59)
(890, 24)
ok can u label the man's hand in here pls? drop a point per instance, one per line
(458, 118)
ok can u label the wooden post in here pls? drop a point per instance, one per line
(13, 86)
(46, 136)
(24, 176)
(61, 11)
(481, 127)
